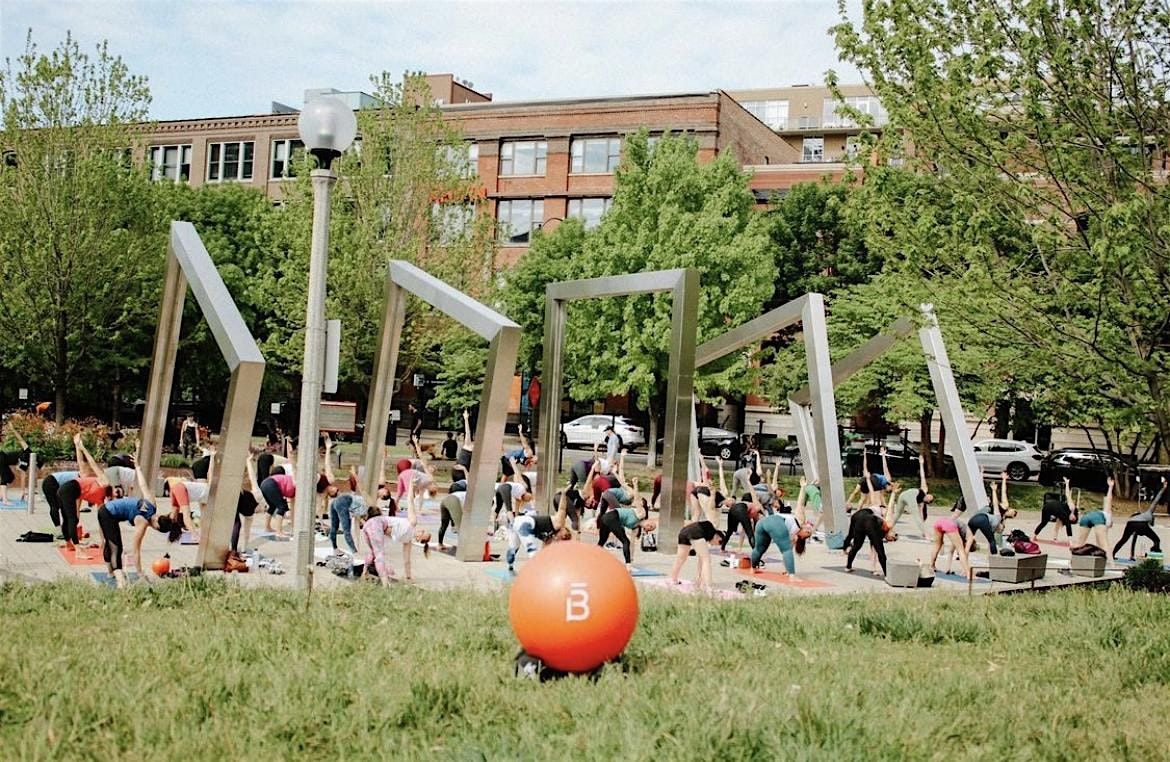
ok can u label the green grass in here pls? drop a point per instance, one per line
(209, 671)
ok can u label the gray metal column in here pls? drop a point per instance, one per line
(382, 386)
(802, 422)
(824, 412)
(162, 364)
(951, 408)
(551, 392)
(680, 392)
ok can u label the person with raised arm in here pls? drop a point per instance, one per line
(741, 514)
(621, 517)
(990, 520)
(532, 531)
(277, 490)
(1063, 512)
(8, 459)
(380, 528)
(954, 531)
(1096, 523)
(697, 534)
(1142, 523)
(139, 512)
(785, 530)
(914, 501)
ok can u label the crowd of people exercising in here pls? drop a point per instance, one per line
(597, 496)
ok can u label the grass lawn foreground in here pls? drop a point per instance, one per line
(205, 670)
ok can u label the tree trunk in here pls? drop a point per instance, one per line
(926, 438)
(652, 438)
(59, 404)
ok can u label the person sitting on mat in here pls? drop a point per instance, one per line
(914, 501)
(784, 529)
(1062, 512)
(1096, 523)
(139, 512)
(1142, 523)
(400, 530)
(619, 518)
(697, 534)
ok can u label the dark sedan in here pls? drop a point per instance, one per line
(902, 460)
(1085, 467)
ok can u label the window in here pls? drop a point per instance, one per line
(452, 221)
(772, 113)
(285, 155)
(852, 147)
(866, 104)
(518, 218)
(170, 163)
(523, 157)
(463, 159)
(589, 210)
(230, 161)
(813, 149)
(595, 155)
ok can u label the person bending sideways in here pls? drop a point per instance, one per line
(697, 535)
(139, 512)
(785, 531)
(1064, 513)
(914, 502)
(619, 518)
(1096, 523)
(1142, 523)
(380, 530)
(532, 531)
(991, 521)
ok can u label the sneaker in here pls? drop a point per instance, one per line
(725, 562)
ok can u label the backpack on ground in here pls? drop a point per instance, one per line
(1026, 547)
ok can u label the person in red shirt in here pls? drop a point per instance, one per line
(91, 486)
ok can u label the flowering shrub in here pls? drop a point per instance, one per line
(53, 443)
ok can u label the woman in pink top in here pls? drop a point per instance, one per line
(378, 527)
(277, 490)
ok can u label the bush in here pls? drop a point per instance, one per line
(1148, 575)
(53, 443)
(174, 460)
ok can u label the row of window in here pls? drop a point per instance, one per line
(586, 156)
(813, 149)
(774, 113)
(518, 218)
(225, 161)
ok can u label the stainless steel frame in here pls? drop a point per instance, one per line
(817, 437)
(188, 263)
(684, 287)
(942, 379)
(503, 336)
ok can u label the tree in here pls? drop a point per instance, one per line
(406, 192)
(668, 211)
(79, 243)
(1047, 125)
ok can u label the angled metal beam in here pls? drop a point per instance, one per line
(750, 332)
(189, 263)
(942, 378)
(684, 287)
(855, 361)
(503, 336)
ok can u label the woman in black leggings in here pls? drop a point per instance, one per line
(698, 536)
(620, 518)
(864, 525)
(1062, 513)
(991, 522)
(743, 513)
(1142, 524)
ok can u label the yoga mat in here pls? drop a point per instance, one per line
(780, 579)
(959, 578)
(107, 579)
(1128, 562)
(1050, 542)
(687, 587)
(189, 539)
(70, 557)
(15, 505)
(501, 574)
(860, 573)
(638, 571)
(263, 535)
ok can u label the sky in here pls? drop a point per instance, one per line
(215, 58)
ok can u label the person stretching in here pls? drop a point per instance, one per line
(277, 490)
(619, 519)
(785, 531)
(451, 513)
(345, 510)
(528, 528)
(914, 502)
(8, 459)
(741, 514)
(1142, 524)
(697, 535)
(990, 522)
(140, 513)
(400, 530)
(1063, 513)
(951, 529)
(1096, 523)
(91, 486)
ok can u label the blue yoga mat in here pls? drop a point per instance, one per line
(959, 578)
(500, 574)
(107, 579)
(17, 505)
(638, 571)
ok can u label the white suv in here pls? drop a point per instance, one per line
(1020, 460)
(589, 430)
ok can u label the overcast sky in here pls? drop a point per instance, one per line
(215, 58)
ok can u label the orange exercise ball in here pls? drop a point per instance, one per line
(161, 566)
(573, 606)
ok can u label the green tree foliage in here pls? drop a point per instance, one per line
(79, 243)
(668, 211)
(1039, 133)
(399, 196)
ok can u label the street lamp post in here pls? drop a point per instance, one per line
(327, 126)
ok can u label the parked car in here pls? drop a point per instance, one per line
(1019, 460)
(1085, 467)
(715, 441)
(901, 458)
(589, 430)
